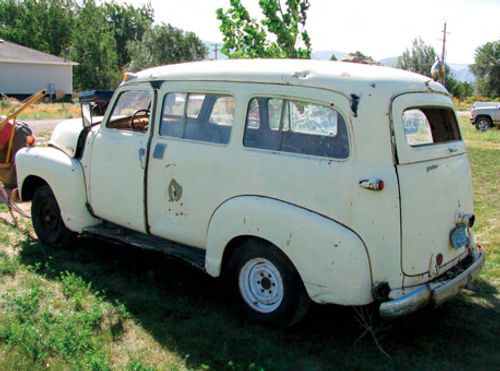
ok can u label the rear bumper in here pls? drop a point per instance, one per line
(435, 292)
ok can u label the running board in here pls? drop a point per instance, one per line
(120, 235)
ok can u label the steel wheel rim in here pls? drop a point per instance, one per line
(482, 124)
(49, 216)
(261, 285)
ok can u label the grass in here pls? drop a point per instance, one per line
(93, 305)
(41, 111)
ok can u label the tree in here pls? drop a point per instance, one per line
(127, 24)
(94, 48)
(42, 25)
(165, 44)
(244, 37)
(487, 69)
(419, 58)
(333, 57)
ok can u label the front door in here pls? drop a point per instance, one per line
(116, 184)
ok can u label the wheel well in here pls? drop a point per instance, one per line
(30, 184)
(483, 116)
(236, 242)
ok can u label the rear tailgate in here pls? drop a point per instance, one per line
(435, 183)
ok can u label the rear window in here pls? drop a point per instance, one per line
(426, 126)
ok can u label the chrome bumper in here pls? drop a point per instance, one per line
(432, 292)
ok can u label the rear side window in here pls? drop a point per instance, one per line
(426, 126)
(202, 117)
(296, 127)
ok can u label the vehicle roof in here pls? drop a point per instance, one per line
(343, 77)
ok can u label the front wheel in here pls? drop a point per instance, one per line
(483, 123)
(265, 286)
(46, 218)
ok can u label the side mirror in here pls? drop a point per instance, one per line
(86, 114)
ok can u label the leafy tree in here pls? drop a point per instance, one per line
(458, 89)
(165, 44)
(127, 24)
(333, 57)
(42, 25)
(487, 69)
(244, 37)
(94, 48)
(419, 58)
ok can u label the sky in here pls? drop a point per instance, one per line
(378, 28)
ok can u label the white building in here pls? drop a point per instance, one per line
(24, 71)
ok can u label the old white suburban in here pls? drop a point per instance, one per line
(295, 181)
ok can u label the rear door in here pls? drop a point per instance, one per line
(434, 179)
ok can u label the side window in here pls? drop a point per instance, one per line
(297, 127)
(425, 126)
(131, 111)
(202, 117)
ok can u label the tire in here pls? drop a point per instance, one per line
(483, 123)
(46, 218)
(264, 285)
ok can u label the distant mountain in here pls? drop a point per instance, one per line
(326, 54)
(389, 62)
(461, 72)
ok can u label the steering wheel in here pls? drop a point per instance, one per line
(142, 110)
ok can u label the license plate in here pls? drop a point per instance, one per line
(459, 236)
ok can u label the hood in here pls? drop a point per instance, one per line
(65, 135)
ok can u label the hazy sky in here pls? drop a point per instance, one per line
(378, 28)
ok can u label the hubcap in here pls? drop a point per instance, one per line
(483, 125)
(261, 285)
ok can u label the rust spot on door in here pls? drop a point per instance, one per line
(174, 191)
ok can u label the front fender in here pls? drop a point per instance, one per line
(331, 260)
(65, 177)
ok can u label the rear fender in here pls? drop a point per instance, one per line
(37, 166)
(331, 260)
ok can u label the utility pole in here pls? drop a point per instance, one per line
(216, 49)
(443, 53)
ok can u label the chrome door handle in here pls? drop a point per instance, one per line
(142, 154)
(373, 184)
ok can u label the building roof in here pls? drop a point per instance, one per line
(14, 53)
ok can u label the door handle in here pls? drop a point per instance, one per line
(373, 184)
(452, 150)
(142, 154)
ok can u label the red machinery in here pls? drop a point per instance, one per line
(8, 131)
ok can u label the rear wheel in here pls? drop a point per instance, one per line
(265, 286)
(46, 217)
(483, 123)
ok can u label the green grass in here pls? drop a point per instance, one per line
(93, 305)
